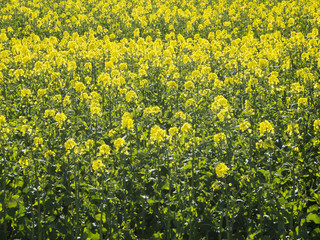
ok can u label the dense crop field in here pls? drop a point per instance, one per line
(159, 119)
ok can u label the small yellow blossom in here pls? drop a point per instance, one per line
(131, 95)
(302, 102)
(104, 150)
(49, 113)
(95, 110)
(152, 110)
(89, 144)
(38, 141)
(221, 170)
(173, 85)
(97, 164)
(79, 87)
(190, 102)
(157, 134)
(188, 85)
(25, 93)
(219, 102)
(266, 127)
(244, 126)
(2, 120)
(118, 143)
(49, 153)
(316, 125)
(173, 131)
(24, 162)
(60, 118)
(215, 185)
(186, 127)
(70, 144)
(127, 121)
(292, 128)
(220, 138)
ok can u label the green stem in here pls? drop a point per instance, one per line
(101, 204)
(4, 184)
(76, 183)
(293, 195)
(38, 199)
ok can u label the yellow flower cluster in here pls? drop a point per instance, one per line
(118, 143)
(104, 150)
(220, 138)
(221, 170)
(157, 134)
(316, 125)
(60, 118)
(266, 127)
(70, 144)
(127, 121)
(245, 126)
(97, 165)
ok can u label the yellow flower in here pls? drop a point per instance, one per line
(296, 87)
(123, 66)
(60, 118)
(157, 134)
(219, 138)
(70, 144)
(136, 32)
(49, 113)
(316, 125)
(24, 162)
(127, 121)
(25, 93)
(273, 79)
(3, 37)
(265, 126)
(188, 85)
(2, 120)
(88, 65)
(118, 143)
(104, 150)
(97, 164)
(38, 141)
(79, 87)
(180, 115)
(244, 126)
(219, 102)
(221, 170)
(215, 185)
(173, 131)
(186, 127)
(152, 110)
(302, 102)
(95, 109)
(223, 113)
(111, 133)
(292, 128)
(131, 95)
(190, 102)
(66, 101)
(49, 153)
(89, 143)
(25, 128)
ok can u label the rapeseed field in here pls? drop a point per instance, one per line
(159, 119)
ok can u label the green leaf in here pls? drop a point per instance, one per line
(314, 218)
(150, 201)
(14, 201)
(166, 185)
